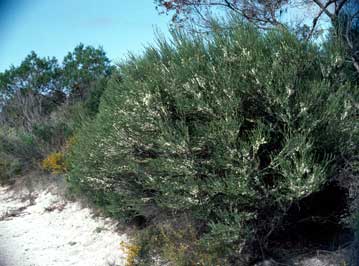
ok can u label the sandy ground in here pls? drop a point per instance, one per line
(49, 231)
(46, 230)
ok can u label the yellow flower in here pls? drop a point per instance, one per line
(131, 252)
(54, 163)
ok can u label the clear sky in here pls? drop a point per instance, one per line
(55, 27)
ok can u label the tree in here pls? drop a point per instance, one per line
(30, 91)
(23, 110)
(40, 75)
(82, 68)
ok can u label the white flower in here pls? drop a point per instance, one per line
(147, 98)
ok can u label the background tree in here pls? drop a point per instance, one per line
(34, 73)
(84, 67)
(30, 90)
(40, 75)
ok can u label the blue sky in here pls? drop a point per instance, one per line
(55, 27)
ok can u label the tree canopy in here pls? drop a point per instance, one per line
(32, 90)
(84, 66)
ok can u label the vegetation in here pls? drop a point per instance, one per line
(208, 143)
(54, 163)
(230, 131)
(342, 14)
(131, 251)
(42, 103)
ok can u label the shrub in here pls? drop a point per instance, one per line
(19, 148)
(52, 133)
(17, 153)
(231, 130)
(54, 163)
(21, 151)
(96, 90)
(9, 168)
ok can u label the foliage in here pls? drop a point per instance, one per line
(348, 25)
(96, 90)
(176, 242)
(17, 153)
(19, 144)
(9, 167)
(275, 13)
(30, 91)
(354, 259)
(39, 109)
(83, 67)
(34, 73)
(231, 130)
(53, 133)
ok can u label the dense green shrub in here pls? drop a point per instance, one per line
(92, 103)
(231, 130)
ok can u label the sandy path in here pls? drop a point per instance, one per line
(52, 232)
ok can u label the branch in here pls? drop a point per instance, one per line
(230, 6)
(324, 8)
(339, 7)
(355, 64)
(243, 12)
(351, 46)
(315, 21)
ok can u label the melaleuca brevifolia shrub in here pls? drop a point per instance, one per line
(231, 129)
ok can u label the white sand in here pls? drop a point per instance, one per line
(71, 236)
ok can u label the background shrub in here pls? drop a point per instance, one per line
(9, 168)
(19, 144)
(231, 131)
(18, 153)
